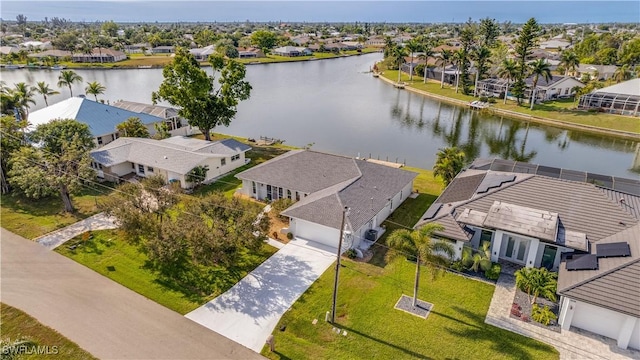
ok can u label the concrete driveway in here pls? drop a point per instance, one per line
(103, 317)
(58, 237)
(249, 311)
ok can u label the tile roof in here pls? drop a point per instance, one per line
(101, 118)
(452, 229)
(615, 284)
(157, 153)
(155, 110)
(461, 189)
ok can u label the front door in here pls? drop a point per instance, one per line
(549, 257)
(516, 249)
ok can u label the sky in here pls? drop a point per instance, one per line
(516, 11)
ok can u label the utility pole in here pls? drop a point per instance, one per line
(345, 212)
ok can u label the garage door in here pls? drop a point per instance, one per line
(316, 232)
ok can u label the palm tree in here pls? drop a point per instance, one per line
(622, 73)
(427, 53)
(537, 282)
(538, 68)
(95, 89)
(481, 56)
(449, 163)
(398, 54)
(22, 97)
(413, 46)
(570, 61)
(67, 78)
(443, 60)
(44, 90)
(508, 71)
(458, 59)
(419, 244)
(480, 260)
(389, 45)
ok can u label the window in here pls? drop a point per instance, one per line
(149, 169)
(269, 192)
(235, 157)
(279, 193)
(141, 169)
(223, 161)
(99, 166)
(253, 185)
(297, 196)
(133, 166)
(289, 194)
(99, 140)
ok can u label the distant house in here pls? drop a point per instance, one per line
(99, 55)
(33, 45)
(6, 50)
(165, 49)
(556, 87)
(56, 54)
(292, 51)
(562, 220)
(596, 72)
(176, 124)
(376, 41)
(171, 158)
(322, 185)
(622, 98)
(202, 54)
(136, 48)
(102, 119)
(251, 52)
(555, 44)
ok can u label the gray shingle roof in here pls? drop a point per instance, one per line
(615, 284)
(461, 189)
(303, 171)
(156, 153)
(366, 188)
(155, 110)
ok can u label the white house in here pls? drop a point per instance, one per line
(538, 216)
(556, 87)
(171, 158)
(322, 185)
(102, 119)
(202, 54)
(292, 51)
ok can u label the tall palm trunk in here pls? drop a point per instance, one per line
(415, 286)
(457, 79)
(506, 91)
(411, 68)
(533, 91)
(475, 87)
(70, 91)
(442, 77)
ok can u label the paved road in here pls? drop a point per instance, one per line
(250, 310)
(103, 317)
(56, 238)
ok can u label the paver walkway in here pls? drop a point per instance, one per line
(56, 238)
(571, 344)
(250, 310)
(100, 315)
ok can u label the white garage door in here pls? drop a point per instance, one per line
(317, 233)
(597, 320)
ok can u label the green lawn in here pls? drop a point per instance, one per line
(561, 110)
(455, 329)
(108, 254)
(16, 324)
(31, 218)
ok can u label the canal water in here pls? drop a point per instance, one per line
(337, 106)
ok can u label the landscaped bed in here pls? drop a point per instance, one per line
(522, 308)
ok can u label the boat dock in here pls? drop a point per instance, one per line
(478, 105)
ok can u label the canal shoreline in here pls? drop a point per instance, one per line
(524, 117)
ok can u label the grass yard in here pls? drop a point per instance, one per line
(561, 109)
(31, 218)
(108, 254)
(455, 329)
(16, 324)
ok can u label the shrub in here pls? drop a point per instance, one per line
(280, 205)
(484, 98)
(494, 272)
(537, 282)
(351, 253)
(458, 266)
(542, 315)
(290, 235)
(492, 100)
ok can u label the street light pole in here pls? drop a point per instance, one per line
(335, 282)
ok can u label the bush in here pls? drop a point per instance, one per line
(542, 315)
(290, 235)
(458, 266)
(484, 98)
(351, 253)
(494, 272)
(492, 100)
(280, 205)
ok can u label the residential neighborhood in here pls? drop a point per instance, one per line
(205, 181)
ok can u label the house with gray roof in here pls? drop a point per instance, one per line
(291, 51)
(170, 158)
(585, 226)
(321, 186)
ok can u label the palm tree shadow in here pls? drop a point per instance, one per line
(384, 342)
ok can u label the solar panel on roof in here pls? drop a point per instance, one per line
(502, 165)
(582, 262)
(493, 181)
(432, 211)
(573, 175)
(548, 171)
(525, 168)
(628, 186)
(600, 180)
(619, 249)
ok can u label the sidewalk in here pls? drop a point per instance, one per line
(571, 344)
(58, 237)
